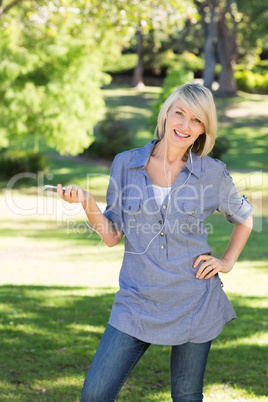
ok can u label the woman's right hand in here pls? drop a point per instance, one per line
(98, 221)
(73, 194)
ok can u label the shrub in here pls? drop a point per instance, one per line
(111, 136)
(125, 62)
(190, 62)
(13, 162)
(252, 82)
(261, 67)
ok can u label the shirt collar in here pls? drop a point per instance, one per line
(142, 157)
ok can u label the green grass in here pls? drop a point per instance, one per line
(56, 293)
(243, 120)
(134, 108)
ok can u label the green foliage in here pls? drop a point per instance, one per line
(253, 36)
(158, 61)
(124, 63)
(51, 81)
(13, 162)
(190, 61)
(261, 67)
(111, 137)
(222, 145)
(252, 82)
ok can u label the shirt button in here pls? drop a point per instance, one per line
(162, 234)
(163, 246)
(164, 206)
(160, 222)
(129, 207)
(193, 211)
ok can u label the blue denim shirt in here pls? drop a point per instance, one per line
(160, 300)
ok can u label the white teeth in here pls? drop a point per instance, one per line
(181, 135)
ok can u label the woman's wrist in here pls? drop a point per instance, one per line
(87, 198)
(227, 264)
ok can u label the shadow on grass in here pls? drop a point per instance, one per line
(49, 336)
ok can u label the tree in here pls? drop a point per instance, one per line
(51, 75)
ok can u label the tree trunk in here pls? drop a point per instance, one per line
(207, 10)
(209, 48)
(227, 48)
(138, 71)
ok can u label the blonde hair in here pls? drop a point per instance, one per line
(200, 101)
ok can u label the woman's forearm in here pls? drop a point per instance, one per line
(212, 265)
(100, 223)
(237, 241)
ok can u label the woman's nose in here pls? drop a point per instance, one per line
(185, 123)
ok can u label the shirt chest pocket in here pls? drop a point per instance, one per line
(132, 212)
(189, 217)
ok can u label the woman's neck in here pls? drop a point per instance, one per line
(162, 148)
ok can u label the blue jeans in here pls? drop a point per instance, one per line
(117, 355)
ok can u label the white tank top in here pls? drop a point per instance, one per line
(160, 194)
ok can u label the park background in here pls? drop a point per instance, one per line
(80, 82)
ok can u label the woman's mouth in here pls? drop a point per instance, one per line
(178, 134)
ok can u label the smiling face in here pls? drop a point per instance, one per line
(182, 126)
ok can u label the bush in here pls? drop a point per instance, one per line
(125, 62)
(111, 136)
(261, 67)
(249, 81)
(158, 62)
(222, 145)
(190, 62)
(13, 162)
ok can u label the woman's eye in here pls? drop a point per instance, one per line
(179, 113)
(197, 121)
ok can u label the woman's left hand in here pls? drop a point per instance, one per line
(211, 266)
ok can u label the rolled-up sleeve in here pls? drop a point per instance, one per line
(113, 209)
(233, 206)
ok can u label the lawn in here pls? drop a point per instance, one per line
(56, 295)
(58, 282)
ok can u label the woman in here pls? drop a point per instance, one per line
(170, 292)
